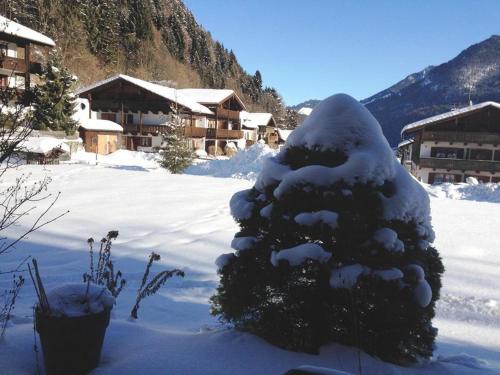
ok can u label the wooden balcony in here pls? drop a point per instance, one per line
(194, 132)
(461, 165)
(12, 64)
(462, 137)
(223, 113)
(146, 129)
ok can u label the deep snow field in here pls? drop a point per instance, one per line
(186, 219)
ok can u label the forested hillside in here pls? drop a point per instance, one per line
(156, 40)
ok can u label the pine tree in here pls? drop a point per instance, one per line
(102, 23)
(334, 244)
(291, 119)
(257, 78)
(176, 154)
(54, 101)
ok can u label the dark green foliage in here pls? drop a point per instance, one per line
(53, 101)
(295, 307)
(176, 154)
(102, 25)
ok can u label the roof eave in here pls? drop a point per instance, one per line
(412, 128)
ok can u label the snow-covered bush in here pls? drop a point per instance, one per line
(334, 244)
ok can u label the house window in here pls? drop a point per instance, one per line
(108, 116)
(145, 141)
(3, 48)
(12, 50)
(480, 154)
(440, 178)
(20, 52)
(495, 179)
(497, 155)
(447, 153)
(20, 81)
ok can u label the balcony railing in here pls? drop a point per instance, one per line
(223, 113)
(13, 64)
(462, 137)
(145, 129)
(461, 165)
(194, 132)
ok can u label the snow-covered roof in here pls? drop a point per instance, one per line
(448, 115)
(15, 29)
(210, 96)
(283, 133)
(405, 142)
(254, 120)
(306, 111)
(98, 124)
(43, 145)
(169, 93)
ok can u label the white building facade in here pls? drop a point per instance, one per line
(455, 145)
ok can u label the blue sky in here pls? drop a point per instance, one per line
(312, 49)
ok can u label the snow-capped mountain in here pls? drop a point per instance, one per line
(311, 103)
(436, 89)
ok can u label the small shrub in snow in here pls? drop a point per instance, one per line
(149, 288)
(334, 244)
(103, 273)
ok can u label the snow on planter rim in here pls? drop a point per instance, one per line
(72, 300)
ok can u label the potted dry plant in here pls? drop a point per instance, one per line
(72, 318)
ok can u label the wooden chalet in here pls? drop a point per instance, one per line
(259, 126)
(216, 133)
(454, 145)
(143, 109)
(18, 44)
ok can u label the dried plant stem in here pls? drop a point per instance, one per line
(40, 290)
(154, 285)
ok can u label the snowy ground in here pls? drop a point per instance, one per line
(186, 219)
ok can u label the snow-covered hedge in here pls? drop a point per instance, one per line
(334, 244)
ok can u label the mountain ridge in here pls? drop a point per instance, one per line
(472, 75)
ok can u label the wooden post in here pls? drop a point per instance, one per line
(27, 79)
(140, 122)
(216, 126)
(122, 119)
(89, 97)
